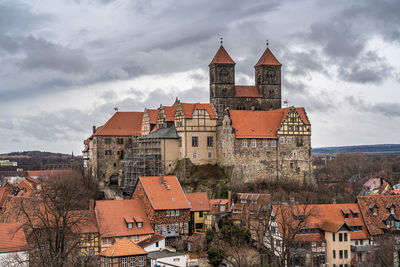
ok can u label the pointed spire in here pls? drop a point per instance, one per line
(222, 57)
(268, 58)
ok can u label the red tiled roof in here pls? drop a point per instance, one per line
(261, 124)
(222, 57)
(4, 192)
(111, 214)
(12, 238)
(189, 108)
(151, 240)
(122, 124)
(328, 217)
(165, 193)
(247, 91)
(268, 58)
(153, 114)
(198, 201)
(169, 113)
(87, 222)
(124, 247)
(376, 223)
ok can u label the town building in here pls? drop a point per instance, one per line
(13, 245)
(199, 208)
(153, 243)
(124, 253)
(122, 219)
(219, 208)
(248, 206)
(324, 235)
(165, 204)
(167, 258)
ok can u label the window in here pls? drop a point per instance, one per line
(345, 237)
(333, 237)
(172, 212)
(107, 141)
(157, 244)
(180, 141)
(268, 154)
(185, 225)
(253, 143)
(105, 262)
(273, 143)
(132, 262)
(340, 237)
(141, 260)
(210, 141)
(282, 140)
(222, 143)
(289, 140)
(120, 141)
(130, 225)
(200, 214)
(194, 155)
(195, 141)
(136, 238)
(334, 254)
(124, 262)
(299, 141)
(139, 224)
(244, 142)
(159, 228)
(107, 152)
(264, 143)
(210, 154)
(176, 212)
(340, 254)
(167, 213)
(345, 254)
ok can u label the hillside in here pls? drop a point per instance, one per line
(368, 149)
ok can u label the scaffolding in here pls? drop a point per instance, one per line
(142, 158)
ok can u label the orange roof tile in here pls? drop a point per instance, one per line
(12, 238)
(327, 217)
(247, 91)
(261, 124)
(189, 108)
(169, 113)
(268, 58)
(111, 213)
(165, 193)
(198, 201)
(122, 124)
(153, 114)
(124, 247)
(222, 57)
(87, 222)
(376, 223)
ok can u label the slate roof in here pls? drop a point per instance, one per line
(163, 133)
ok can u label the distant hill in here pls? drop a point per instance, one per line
(368, 149)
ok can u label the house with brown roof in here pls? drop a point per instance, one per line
(219, 208)
(153, 243)
(124, 253)
(107, 145)
(122, 220)
(271, 145)
(13, 245)
(165, 203)
(199, 208)
(332, 234)
(196, 125)
(247, 205)
(149, 122)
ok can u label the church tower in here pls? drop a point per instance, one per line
(222, 80)
(268, 80)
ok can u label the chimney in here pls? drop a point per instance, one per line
(94, 128)
(91, 205)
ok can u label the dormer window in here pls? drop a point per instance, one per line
(139, 224)
(130, 225)
(243, 201)
(392, 209)
(374, 209)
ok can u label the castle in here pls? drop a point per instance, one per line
(243, 129)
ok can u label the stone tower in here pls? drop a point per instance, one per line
(222, 80)
(268, 80)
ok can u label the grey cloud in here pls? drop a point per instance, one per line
(301, 63)
(384, 108)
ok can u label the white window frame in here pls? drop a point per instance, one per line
(264, 143)
(273, 143)
(253, 143)
(136, 238)
(194, 155)
(176, 212)
(289, 140)
(281, 140)
(132, 261)
(167, 213)
(244, 142)
(172, 213)
(141, 260)
(124, 262)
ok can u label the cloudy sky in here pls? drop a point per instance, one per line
(65, 64)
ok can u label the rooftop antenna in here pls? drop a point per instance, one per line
(267, 43)
(286, 102)
(222, 40)
(116, 109)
